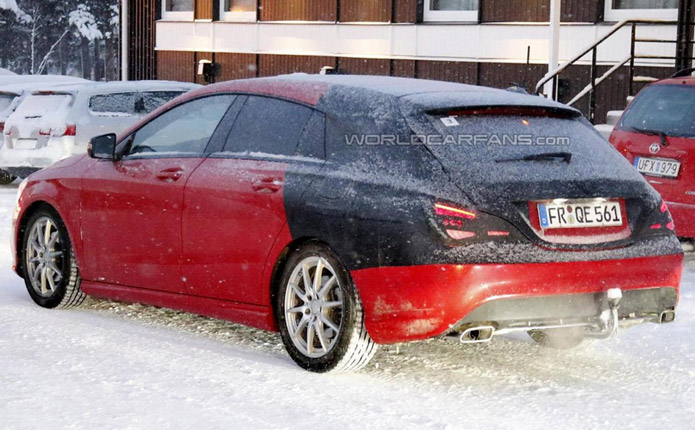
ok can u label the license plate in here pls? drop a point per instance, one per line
(25, 144)
(657, 167)
(580, 214)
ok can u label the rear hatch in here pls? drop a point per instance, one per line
(656, 134)
(547, 172)
(38, 117)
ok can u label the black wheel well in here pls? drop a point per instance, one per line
(28, 212)
(280, 262)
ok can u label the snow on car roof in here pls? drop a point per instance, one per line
(118, 86)
(421, 94)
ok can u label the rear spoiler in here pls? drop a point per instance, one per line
(52, 93)
(509, 110)
(9, 93)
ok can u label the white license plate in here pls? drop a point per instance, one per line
(25, 144)
(658, 167)
(580, 214)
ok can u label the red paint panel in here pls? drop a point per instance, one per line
(233, 214)
(131, 221)
(418, 302)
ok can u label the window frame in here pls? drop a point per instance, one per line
(216, 145)
(124, 146)
(614, 15)
(238, 16)
(177, 16)
(428, 15)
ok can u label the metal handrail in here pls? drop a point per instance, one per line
(553, 74)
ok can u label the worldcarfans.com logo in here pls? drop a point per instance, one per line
(458, 140)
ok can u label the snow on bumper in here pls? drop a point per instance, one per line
(418, 302)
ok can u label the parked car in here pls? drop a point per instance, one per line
(11, 95)
(56, 122)
(656, 134)
(351, 211)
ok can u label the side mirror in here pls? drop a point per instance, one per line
(102, 147)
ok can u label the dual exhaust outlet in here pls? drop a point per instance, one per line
(606, 327)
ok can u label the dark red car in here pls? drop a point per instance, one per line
(656, 134)
(349, 211)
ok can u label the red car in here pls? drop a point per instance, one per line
(656, 134)
(351, 211)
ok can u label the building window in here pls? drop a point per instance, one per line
(177, 10)
(451, 10)
(238, 10)
(617, 10)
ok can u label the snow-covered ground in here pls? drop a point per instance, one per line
(110, 365)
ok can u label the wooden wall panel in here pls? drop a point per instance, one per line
(176, 66)
(365, 66)
(299, 10)
(203, 9)
(403, 68)
(271, 65)
(503, 75)
(451, 71)
(142, 15)
(539, 10)
(407, 10)
(236, 66)
(365, 10)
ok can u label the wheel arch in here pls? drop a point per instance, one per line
(281, 261)
(30, 210)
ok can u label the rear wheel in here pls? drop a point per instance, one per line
(320, 313)
(50, 269)
(6, 178)
(559, 338)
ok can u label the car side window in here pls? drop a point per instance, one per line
(186, 128)
(268, 126)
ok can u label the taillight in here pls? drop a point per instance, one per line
(661, 219)
(447, 210)
(462, 224)
(2, 127)
(69, 130)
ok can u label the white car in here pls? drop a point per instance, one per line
(55, 123)
(12, 94)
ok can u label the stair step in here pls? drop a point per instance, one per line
(604, 129)
(644, 79)
(613, 116)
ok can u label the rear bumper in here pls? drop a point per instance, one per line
(418, 302)
(684, 218)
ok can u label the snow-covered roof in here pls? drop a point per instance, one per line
(118, 86)
(5, 72)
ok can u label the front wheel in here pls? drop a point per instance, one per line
(50, 269)
(320, 313)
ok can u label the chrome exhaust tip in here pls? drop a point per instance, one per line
(480, 334)
(667, 316)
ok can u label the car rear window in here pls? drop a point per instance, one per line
(39, 105)
(154, 99)
(668, 109)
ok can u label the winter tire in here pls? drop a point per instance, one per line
(50, 268)
(320, 313)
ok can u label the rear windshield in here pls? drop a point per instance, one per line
(668, 109)
(498, 138)
(131, 103)
(37, 106)
(5, 103)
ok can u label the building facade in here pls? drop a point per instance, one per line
(487, 42)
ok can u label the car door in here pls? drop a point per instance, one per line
(132, 207)
(235, 201)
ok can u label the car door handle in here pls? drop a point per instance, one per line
(268, 185)
(170, 175)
